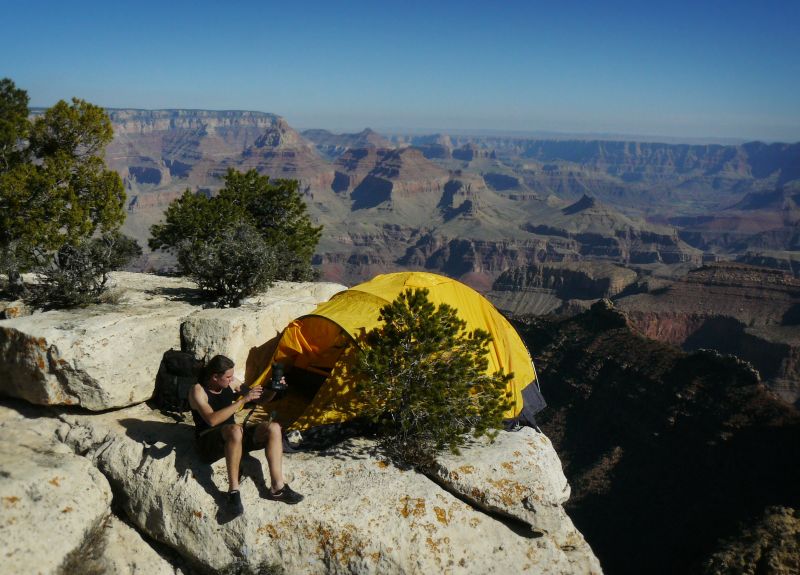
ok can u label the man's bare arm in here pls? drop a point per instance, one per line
(198, 400)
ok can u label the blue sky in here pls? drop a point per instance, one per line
(724, 69)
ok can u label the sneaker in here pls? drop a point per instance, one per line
(286, 495)
(235, 506)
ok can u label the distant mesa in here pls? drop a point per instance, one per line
(333, 146)
(469, 152)
(437, 139)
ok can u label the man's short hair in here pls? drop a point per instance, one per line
(217, 365)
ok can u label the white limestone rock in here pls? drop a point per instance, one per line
(51, 499)
(107, 356)
(99, 357)
(519, 475)
(124, 552)
(360, 515)
(248, 334)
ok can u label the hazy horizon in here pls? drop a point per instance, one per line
(712, 71)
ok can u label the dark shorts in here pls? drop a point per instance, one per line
(211, 445)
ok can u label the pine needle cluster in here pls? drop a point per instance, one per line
(423, 378)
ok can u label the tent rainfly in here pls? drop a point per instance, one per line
(317, 349)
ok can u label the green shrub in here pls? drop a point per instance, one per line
(422, 378)
(77, 274)
(230, 266)
(241, 240)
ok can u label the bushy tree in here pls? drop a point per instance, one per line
(55, 190)
(268, 219)
(423, 377)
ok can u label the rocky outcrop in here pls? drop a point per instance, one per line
(495, 508)
(100, 358)
(516, 475)
(361, 514)
(599, 231)
(51, 499)
(107, 356)
(353, 166)
(118, 550)
(784, 261)
(398, 173)
(280, 152)
(772, 545)
(372, 176)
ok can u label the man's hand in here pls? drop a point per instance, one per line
(253, 394)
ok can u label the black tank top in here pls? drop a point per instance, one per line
(217, 401)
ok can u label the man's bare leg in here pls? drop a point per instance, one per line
(280, 490)
(233, 454)
(272, 436)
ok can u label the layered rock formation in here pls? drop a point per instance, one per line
(450, 188)
(545, 288)
(602, 232)
(280, 152)
(474, 206)
(734, 308)
(763, 225)
(469, 152)
(158, 148)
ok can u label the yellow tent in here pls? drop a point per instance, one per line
(317, 348)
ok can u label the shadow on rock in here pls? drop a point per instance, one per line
(193, 296)
(160, 439)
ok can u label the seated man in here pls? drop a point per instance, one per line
(214, 402)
